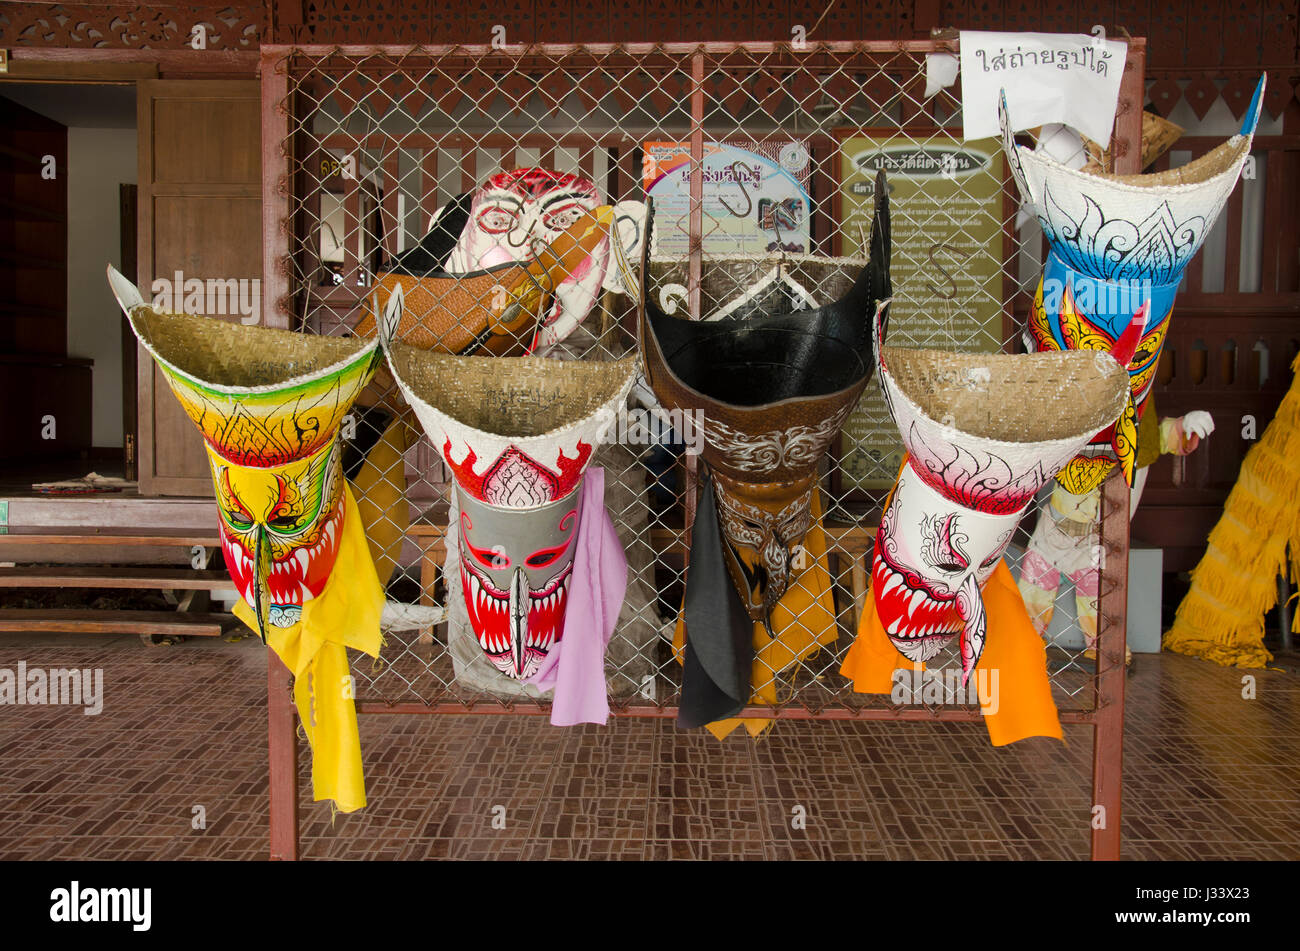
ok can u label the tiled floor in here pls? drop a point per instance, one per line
(182, 738)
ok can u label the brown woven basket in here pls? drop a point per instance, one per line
(510, 396)
(1158, 137)
(224, 353)
(1024, 398)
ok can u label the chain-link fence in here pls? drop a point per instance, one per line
(380, 143)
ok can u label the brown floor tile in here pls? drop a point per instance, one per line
(1208, 775)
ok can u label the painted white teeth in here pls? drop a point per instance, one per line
(306, 593)
(918, 598)
(301, 556)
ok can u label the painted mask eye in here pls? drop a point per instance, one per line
(494, 558)
(490, 557)
(546, 556)
(562, 218)
(496, 220)
(941, 546)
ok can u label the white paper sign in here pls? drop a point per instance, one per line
(1049, 77)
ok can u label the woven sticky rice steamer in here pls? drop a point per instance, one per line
(1158, 137)
(260, 396)
(983, 432)
(1113, 226)
(518, 434)
(743, 286)
(491, 311)
(269, 404)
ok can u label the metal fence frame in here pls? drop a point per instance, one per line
(1107, 713)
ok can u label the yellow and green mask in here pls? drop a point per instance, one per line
(269, 404)
(280, 530)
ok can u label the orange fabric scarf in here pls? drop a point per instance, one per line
(1022, 705)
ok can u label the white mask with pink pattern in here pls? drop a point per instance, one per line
(983, 432)
(512, 216)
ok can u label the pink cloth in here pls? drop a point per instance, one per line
(575, 667)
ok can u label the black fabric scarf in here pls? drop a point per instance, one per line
(718, 662)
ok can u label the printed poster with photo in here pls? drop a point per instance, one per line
(756, 197)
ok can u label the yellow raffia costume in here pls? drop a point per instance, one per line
(269, 404)
(1257, 538)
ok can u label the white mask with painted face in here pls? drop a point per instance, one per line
(983, 432)
(512, 216)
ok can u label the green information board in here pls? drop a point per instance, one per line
(946, 211)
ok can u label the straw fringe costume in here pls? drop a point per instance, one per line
(1258, 538)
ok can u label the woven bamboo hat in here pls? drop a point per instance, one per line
(477, 409)
(959, 412)
(1119, 227)
(261, 397)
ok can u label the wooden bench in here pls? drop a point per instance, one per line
(77, 576)
(42, 535)
(113, 621)
(191, 616)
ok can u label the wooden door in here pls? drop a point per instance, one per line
(200, 206)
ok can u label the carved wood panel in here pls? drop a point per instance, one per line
(158, 26)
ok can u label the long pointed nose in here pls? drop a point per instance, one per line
(519, 602)
(261, 581)
(970, 608)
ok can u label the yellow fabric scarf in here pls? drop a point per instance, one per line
(804, 619)
(315, 650)
(380, 484)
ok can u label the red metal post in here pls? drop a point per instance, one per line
(696, 244)
(1126, 141)
(1112, 633)
(276, 187)
(283, 746)
(697, 184)
(1112, 611)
